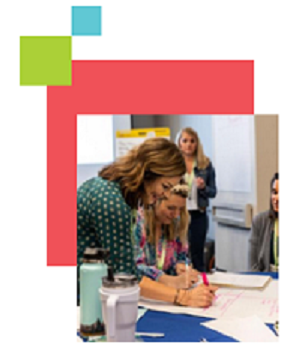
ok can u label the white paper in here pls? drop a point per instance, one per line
(230, 303)
(238, 280)
(123, 145)
(141, 313)
(250, 329)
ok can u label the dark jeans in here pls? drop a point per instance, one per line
(197, 236)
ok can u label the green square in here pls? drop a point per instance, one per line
(45, 60)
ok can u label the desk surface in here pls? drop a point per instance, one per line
(182, 328)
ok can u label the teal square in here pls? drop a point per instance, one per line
(86, 20)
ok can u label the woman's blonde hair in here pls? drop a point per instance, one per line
(178, 227)
(154, 158)
(202, 160)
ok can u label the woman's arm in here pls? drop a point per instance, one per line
(201, 296)
(207, 189)
(112, 219)
(210, 188)
(183, 261)
(152, 272)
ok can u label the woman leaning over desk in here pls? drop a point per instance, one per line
(106, 207)
(161, 236)
(200, 176)
(265, 234)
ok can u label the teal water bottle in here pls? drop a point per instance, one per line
(92, 270)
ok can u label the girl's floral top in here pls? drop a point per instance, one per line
(148, 256)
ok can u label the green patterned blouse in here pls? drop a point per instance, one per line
(104, 220)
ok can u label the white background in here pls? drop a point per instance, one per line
(93, 145)
(38, 303)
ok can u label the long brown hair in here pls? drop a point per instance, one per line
(177, 228)
(272, 213)
(155, 157)
(202, 160)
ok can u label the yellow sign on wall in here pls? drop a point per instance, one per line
(127, 139)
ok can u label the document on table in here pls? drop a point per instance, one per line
(230, 302)
(141, 313)
(249, 329)
(224, 279)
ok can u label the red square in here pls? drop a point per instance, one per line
(127, 87)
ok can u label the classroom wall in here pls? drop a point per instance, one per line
(256, 155)
(87, 171)
(237, 162)
(142, 121)
(201, 123)
(266, 152)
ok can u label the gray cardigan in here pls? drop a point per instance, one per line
(262, 227)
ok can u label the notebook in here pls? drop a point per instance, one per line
(233, 280)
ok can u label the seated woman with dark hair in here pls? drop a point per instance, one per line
(265, 234)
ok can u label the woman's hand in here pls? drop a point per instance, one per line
(200, 183)
(186, 279)
(181, 268)
(201, 296)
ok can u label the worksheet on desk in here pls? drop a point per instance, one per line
(239, 280)
(230, 303)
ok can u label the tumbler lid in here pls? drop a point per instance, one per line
(95, 254)
(120, 280)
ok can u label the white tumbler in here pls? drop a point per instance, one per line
(119, 297)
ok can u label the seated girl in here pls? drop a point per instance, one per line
(160, 235)
(265, 234)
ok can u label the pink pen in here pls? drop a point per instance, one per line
(205, 280)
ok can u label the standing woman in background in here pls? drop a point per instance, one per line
(200, 177)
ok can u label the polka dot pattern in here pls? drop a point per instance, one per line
(104, 220)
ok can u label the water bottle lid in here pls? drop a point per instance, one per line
(120, 280)
(95, 254)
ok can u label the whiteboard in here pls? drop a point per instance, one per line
(233, 152)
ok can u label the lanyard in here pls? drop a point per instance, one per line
(275, 243)
(161, 260)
